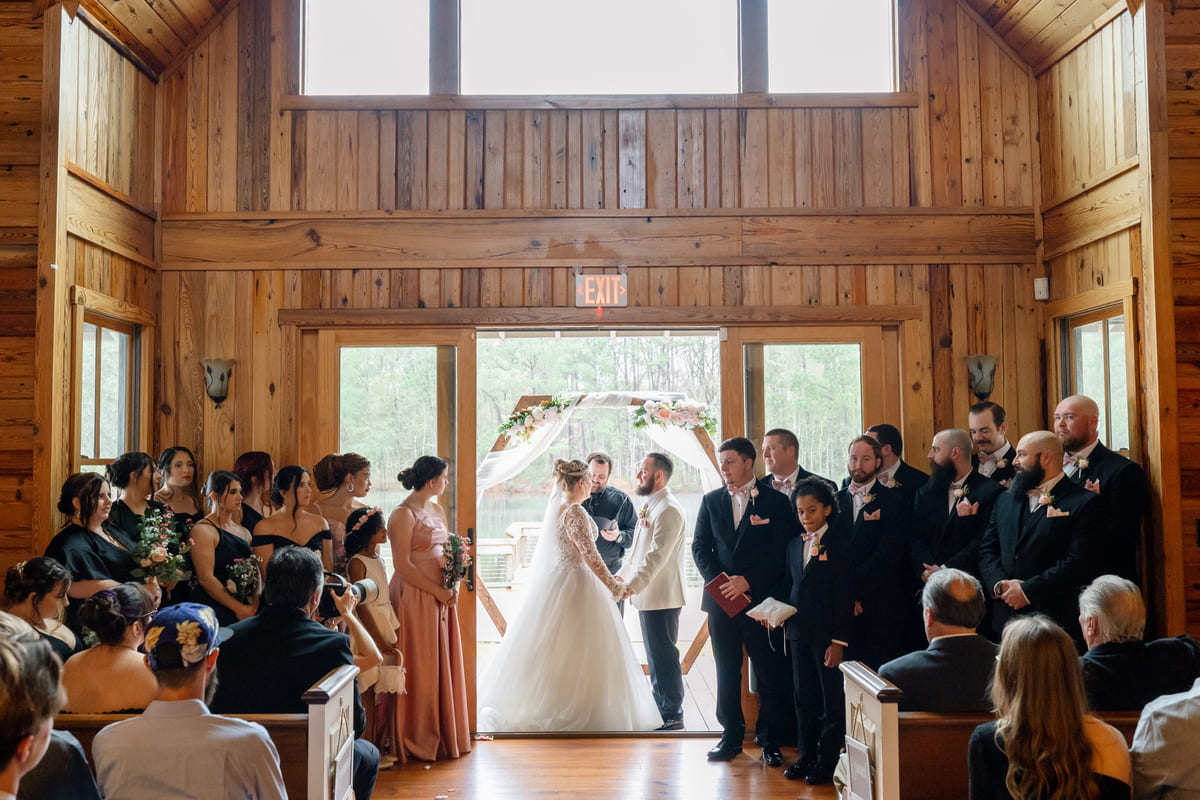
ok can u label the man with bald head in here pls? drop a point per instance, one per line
(1041, 545)
(955, 671)
(1120, 483)
(952, 508)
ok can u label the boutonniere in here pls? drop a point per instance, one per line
(754, 493)
(868, 499)
(815, 549)
(1001, 463)
(962, 491)
(892, 483)
(1082, 463)
(644, 515)
(1045, 499)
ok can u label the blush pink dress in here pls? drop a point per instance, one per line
(432, 722)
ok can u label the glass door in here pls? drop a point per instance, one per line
(397, 395)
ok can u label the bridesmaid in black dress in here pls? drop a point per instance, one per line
(292, 525)
(133, 476)
(36, 591)
(215, 547)
(179, 492)
(97, 559)
(256, 470)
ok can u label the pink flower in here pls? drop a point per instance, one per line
(1045, 500)
(663, 413)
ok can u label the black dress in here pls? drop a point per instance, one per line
(60, 648)
(88, 557)
(313, 544)
(250, 518)
(987, 766)
(229, 549)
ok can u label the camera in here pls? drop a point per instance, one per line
(366, 590)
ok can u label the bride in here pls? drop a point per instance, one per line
(565, 663)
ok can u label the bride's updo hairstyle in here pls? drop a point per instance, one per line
(569, 473)
(423, 470)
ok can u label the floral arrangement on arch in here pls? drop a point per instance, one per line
(523, 423)
(678, 413)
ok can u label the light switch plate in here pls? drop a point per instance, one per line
(1041, 288)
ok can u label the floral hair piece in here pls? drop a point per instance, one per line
(20, 568)
(365, 517)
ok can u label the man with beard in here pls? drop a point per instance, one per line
(1120, 483)
(780, 454)
(655, 576)
(994, 455)
(885, 609)
(1039, 549)
(612, 510)
(177, 748)
(894, 472)
(952, 508)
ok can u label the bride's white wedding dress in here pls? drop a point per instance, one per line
(565, 663)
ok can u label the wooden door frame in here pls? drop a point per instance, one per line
(322, 439)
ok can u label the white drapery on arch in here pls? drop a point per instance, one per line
(501, 465)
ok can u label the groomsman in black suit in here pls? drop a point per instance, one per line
(744, 532)
(989, 429)
(781, 456)
(885, 607)
(894, 472)
(1040, 547)
(952, 508)
(1120, 483)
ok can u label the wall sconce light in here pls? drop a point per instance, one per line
(981, 375)
(217, 372)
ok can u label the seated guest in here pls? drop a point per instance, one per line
(1165, 766)
(63, 773)
(30, 696)
(1120, 671)
(273, 658)
(1042, 743)
(112, 676)
(146, 756)
(954, 673)
(36, 591)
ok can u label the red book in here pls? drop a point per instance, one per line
(731, 607)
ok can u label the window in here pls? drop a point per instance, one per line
(366, 47)
(106, 391)
(818, 46)
(615, 47)
(1094, 346)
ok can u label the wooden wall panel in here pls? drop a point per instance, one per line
(20, 149)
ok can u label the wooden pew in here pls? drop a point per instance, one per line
(314, 748)
(919, 754)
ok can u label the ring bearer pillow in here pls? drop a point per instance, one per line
(772, 612)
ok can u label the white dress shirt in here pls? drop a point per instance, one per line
(859, 502)
(740, 501)
(1164, 748)
(1084, 453)
(986, 468)
(1047, 489)
(888, 476)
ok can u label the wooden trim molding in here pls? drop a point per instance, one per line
(95, 182)
(484, 239)
(567, 317)
(1115, 10)
(104, 220)
(1105, 209)
(105, 306)
(1091, 300)
(453, 102)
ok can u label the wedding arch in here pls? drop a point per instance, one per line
(674, 423)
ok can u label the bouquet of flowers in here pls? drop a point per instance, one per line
(680, 413)
(458, 558)
(159, 552)
(524, 422)
(242, 578)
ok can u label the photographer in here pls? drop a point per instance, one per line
(273, 658)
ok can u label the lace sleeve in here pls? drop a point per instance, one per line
(582, 531)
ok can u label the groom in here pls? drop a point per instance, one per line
(744, 531)
(654, 574)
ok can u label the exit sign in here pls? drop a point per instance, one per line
(601, 291)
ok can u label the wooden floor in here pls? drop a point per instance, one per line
(595, 768)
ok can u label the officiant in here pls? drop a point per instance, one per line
(613, 513)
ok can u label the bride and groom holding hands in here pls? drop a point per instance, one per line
(566, 662)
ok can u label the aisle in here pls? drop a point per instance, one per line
(670, 769)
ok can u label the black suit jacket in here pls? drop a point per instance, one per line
(1124, 676)
(756, 552)
(821, 592)
(765, 482)
(941, 536)
(273, 658)
(908, 480)
(1053, 556)
(879, 549)
(953, 674)
(1124, 492)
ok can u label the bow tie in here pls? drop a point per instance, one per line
(858, 490)
(987, 458)
(1070, 460)
(808, 537)
(781, 486)
(958, 484)
(736, 491)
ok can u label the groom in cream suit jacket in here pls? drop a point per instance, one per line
(654, 573)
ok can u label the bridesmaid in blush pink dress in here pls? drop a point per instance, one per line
(432, 722)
